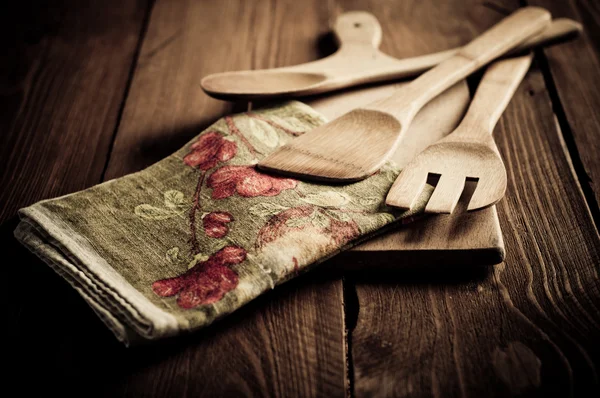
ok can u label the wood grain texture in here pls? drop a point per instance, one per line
(524, 328)
(62, 81)
(574, 73)
(370, 135)
(291, 342)
(528, 327)
(63, 76)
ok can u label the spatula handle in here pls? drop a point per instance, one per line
(493, 94)
(493, 43)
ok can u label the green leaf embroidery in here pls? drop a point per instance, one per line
(319, 220)
(174, 199)
(264, 133)
(291, 124)
(198, 258)
(339, 216)
(173, 255)
(266, 209)
(150, 212)
(370, 201)
(328, 199)
(298, 222)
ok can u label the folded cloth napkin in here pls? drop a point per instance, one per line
(197, 235)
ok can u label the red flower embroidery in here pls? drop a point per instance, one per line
(340, 232)
(206, 282)
(215, 224)
(209, 150)
(247, 182)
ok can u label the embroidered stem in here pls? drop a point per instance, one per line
(276, 125)
(234, 130)
(195, 208)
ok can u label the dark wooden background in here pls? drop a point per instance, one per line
(93, 90)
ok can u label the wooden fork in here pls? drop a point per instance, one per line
(469, 152)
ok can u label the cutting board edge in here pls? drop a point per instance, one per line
(484, 256)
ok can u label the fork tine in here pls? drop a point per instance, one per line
(407, 188)
(446, 194)
(486, 195)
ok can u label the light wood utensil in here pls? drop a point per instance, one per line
(457, 239)
(358, 143)
(469, 152)
(357, 61)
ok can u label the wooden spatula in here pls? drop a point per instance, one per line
(461, 238)
(469, 152)
(357, 144)
(357, 61)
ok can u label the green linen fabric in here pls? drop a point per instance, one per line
(197, 235)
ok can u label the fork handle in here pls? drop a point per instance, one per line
(493, 94)
(496, 41)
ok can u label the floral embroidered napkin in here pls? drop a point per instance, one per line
(199, 234)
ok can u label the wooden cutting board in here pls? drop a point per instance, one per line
(459, 238)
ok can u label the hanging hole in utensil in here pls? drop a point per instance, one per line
(357, 24)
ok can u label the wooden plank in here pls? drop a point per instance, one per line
(431, 333)
(64, 69)
(525, 327)
(167, 105)
(63, 79)
(575, 82)
(290, 342)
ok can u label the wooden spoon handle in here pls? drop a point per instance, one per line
(493, 94)
(496, 41)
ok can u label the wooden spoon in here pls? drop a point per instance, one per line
(357, 61)
(358, 143)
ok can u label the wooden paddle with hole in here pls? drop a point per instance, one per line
(357, 61)
(357, 144)
(469, 152)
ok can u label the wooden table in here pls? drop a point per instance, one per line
(94, 90)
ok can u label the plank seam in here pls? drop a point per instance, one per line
(133, 68)
(351, 310)
(571, 152)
